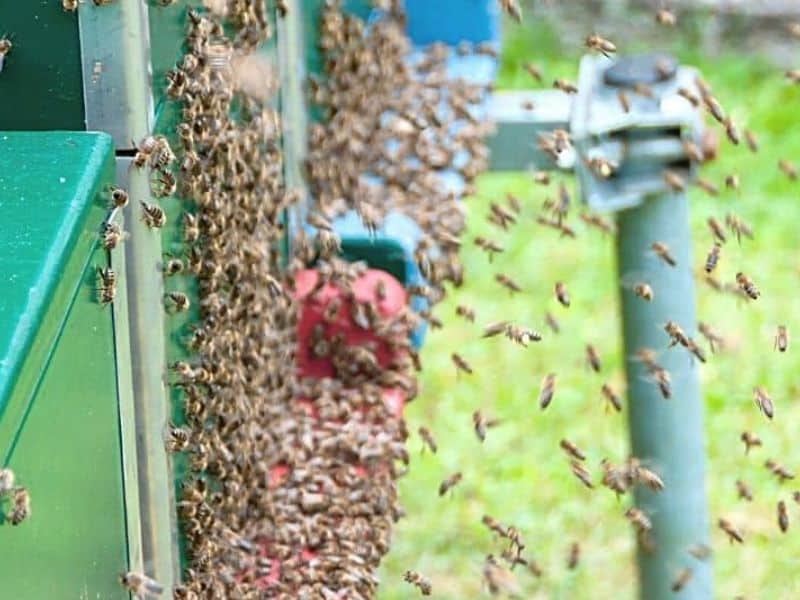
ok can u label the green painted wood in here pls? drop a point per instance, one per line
(50, 212)
(41, 86)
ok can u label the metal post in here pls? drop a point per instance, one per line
(666, 434)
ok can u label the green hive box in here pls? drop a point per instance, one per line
(60, 410)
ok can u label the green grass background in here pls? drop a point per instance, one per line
(519, 475)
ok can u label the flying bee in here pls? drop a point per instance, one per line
(602, 167)
(747, 286)
(552, 322)
(153, 215)
(565, 86)
(466, 312)
(111, 235)
(744, 491)
(574, 556)
(418, 581)
(693, 151)
(572, 450)
(732, 131)
(489, 246)
(611, 397)
(119, 197)
(714, 108)
(507, 283)
(644, 291)
(764, 402)
(522, 335)
(494, 329)
(498, 579)
(427, 439)
(681, 580)
(676, 334)
(751, 440)
(562, 295)
(639, 519)
(108, 285)
(69, 5)
(666, 17)
(541, 177)
(664, 253)
(674, 181)
(780, 471)
(602, 45)
(481, 424)
(734, 535)
(461, 364)
(173, 266)
(282, 7)
(512, 8)
(781, 339)
(713, 257)
(783, 517)
(752, 141)
(788, 168)
(494, 525)
(581, 473)
(555, 224)
(664, 382)
(21, 506)
(690, 96)
(716, 229)
(534, 71)
(732, 181)
(141, 585)
(699, 551)
(624, 101)
(449, 483)
(737, 225)
(714, 339)
(178, 301)
(598, 222)
(593, 358)
(177, 438)
(547, 390)
(649, 479)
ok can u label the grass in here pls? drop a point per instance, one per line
(519, 475)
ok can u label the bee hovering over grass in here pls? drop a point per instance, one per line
(783, 517)
(764, 402)
(734, 535)
(461, 364)
(547, 391)
(428, 441)
(747, 286)
(572, 450)
(418, 581)
(562, 295)
(449, 483)
(744, 491)
(481, 424)
(593, 358)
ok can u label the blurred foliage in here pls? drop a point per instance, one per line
(519, 474)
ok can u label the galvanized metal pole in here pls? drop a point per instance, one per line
(666, 434)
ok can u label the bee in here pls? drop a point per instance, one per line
(507, 283)
(788, 168)
(552, 322)
(674, 181)
(744, 491)
(624, 101)
(793, 75)
(794, 29)
(693, 151)
(649, 479)
(593, 358)
(639, 519)
(547, 390)
(581, 473)
(699, 551)
(179, 301)
(119, 197)
(644, 291)
(714, 108)
(499, 580)
(168, 185)
(481, 424)
(153, 215)
(599, 222)
(144, 151)
(514, 203)
(490, 246)
(734, 535)
(141, 585)
(751, 440)
(494, 525)
(666, 18)
(781, 472)
(282, 7)
(449, 483)
(783, 517)
(522, 335)
(562, 295)
(108, 284)
(173, 266)
(732, 131)
(602, 45)
(420, 582)
(541, 177)
(111, 235)
(69, 5)
(664, 381)
(732, 181)
(713, 258)
(534, 71)
(461, 364)
(7, 478)
(781, 339)
(555, 224)
(21, 506)
(572, 450)
(681, 580)
(752, 141)
(565, 86)
(716, 230)
(512, 9)
(466, 312)
(602, 167)
(676, 334)
(611, 397)
(747, 286)
(738, 226)
(714, 339)
(177, 438)
(764, 402)
(494, 329)
(574, 556)
(690, 96)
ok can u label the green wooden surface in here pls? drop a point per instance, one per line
(41, 86)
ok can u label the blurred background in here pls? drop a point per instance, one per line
(519, 474)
